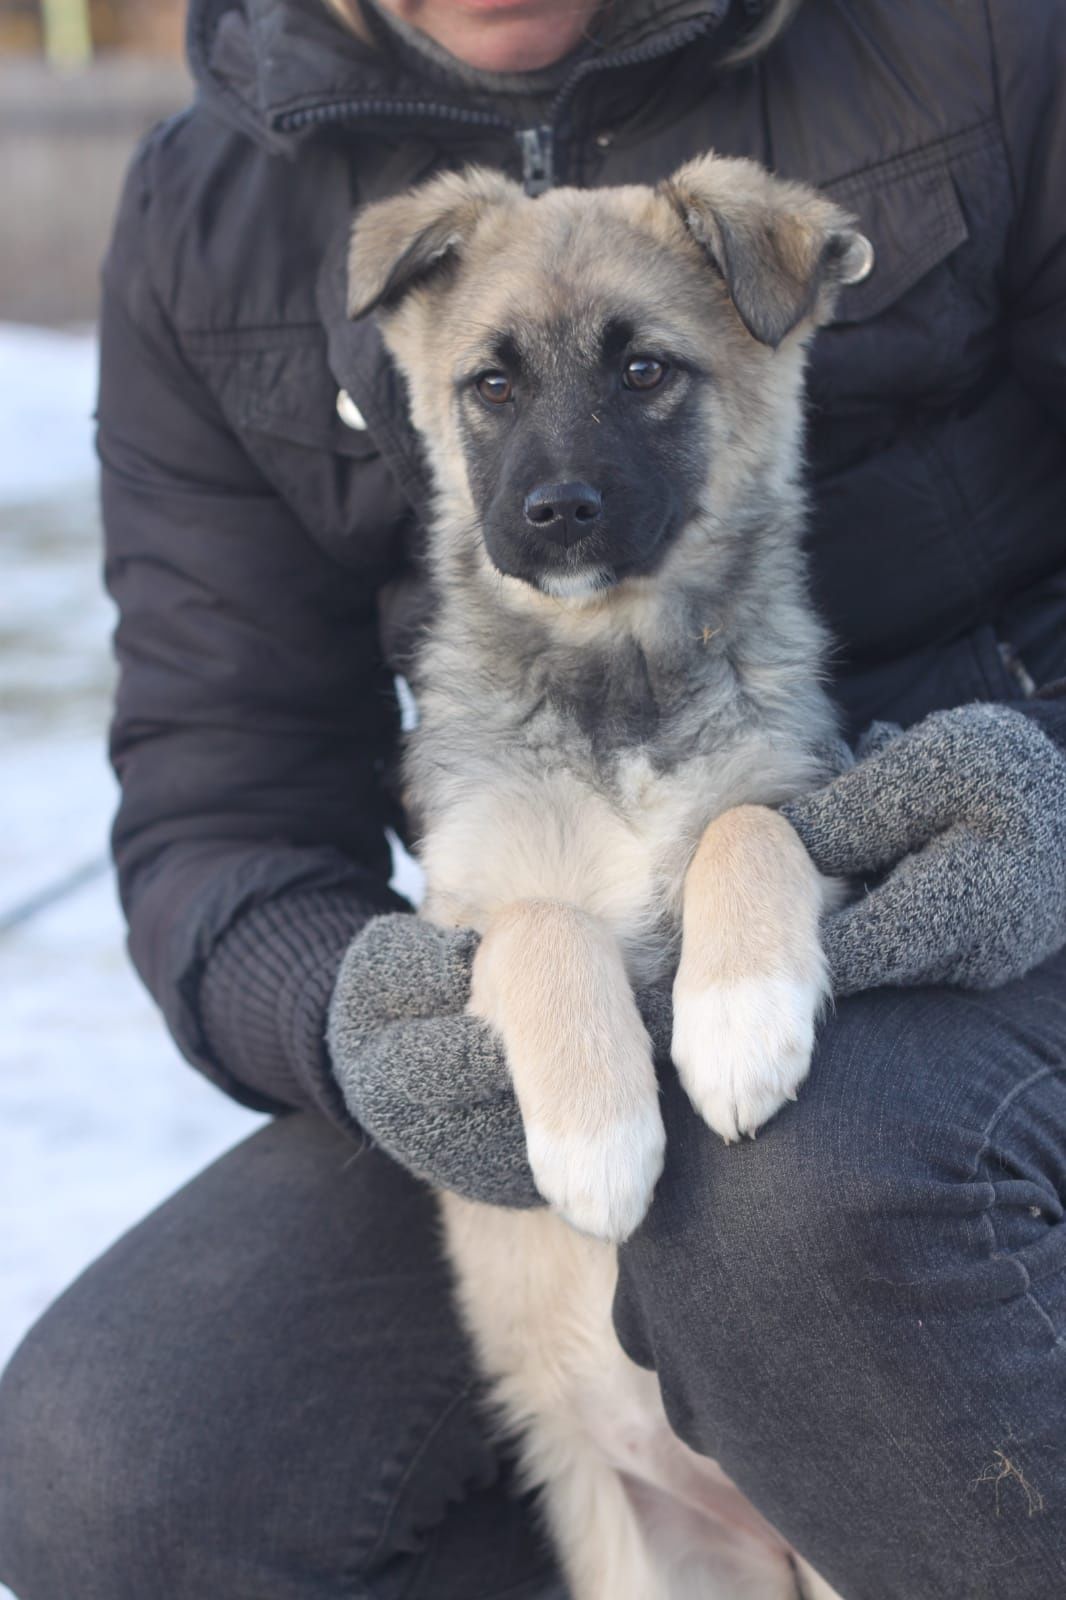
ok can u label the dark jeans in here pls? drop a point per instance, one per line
(261, 1393)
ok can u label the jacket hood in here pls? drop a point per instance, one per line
(282, 70)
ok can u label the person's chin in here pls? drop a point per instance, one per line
(504, 35)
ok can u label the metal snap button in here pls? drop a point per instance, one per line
(860, 268)
(349, 412)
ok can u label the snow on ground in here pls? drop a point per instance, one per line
(47, 395)
(99, 1117)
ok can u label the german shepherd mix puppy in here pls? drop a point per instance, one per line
(621, 680)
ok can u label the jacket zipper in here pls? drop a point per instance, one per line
(536, 144)
(538, 158)
(637, 55)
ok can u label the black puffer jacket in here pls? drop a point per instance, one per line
(263, 554)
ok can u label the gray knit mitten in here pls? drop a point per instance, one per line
(957, 829)
(428, 1083)
(960, 822)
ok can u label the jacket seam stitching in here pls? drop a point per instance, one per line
(922, 158)
(997, 101)
(440, 1422)
(1028, 1289)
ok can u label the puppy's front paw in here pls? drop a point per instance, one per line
(743, 1048)
(601, 1182)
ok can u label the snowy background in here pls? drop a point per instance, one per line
(99, 1117)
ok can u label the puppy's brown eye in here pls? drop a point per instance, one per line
(495, 387)
(644, 372)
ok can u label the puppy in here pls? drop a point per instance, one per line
(620, 682)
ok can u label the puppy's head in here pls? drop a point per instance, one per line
(595, 374)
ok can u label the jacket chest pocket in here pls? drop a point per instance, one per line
(921, 329)
(287, 392)
(312, 445)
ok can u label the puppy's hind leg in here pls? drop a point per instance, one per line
(620, 1539)
(596, 1526)
(550, 978)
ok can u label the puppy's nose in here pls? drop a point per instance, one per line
(563, 512)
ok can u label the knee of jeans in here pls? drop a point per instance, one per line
(64, 1461)
(109, 1491)
(136, 1461)
(870, 1190)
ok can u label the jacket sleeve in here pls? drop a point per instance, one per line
(1028, 40)
(1029, 50)
(252, 721)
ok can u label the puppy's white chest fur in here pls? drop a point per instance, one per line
(616, 844)
(553, 837)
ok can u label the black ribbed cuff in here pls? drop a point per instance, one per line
(265, 993)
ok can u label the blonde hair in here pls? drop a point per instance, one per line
(778, 15)
(350, 15)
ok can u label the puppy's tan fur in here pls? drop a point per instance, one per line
(588, 866)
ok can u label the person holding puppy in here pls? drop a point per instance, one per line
(263, 1389)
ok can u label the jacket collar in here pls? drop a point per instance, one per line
(282, 70)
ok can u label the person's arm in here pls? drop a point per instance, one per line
(252, 718)
(1029, 47)
(959, 824)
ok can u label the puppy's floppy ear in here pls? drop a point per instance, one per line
(398, 243)
(782, 248)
